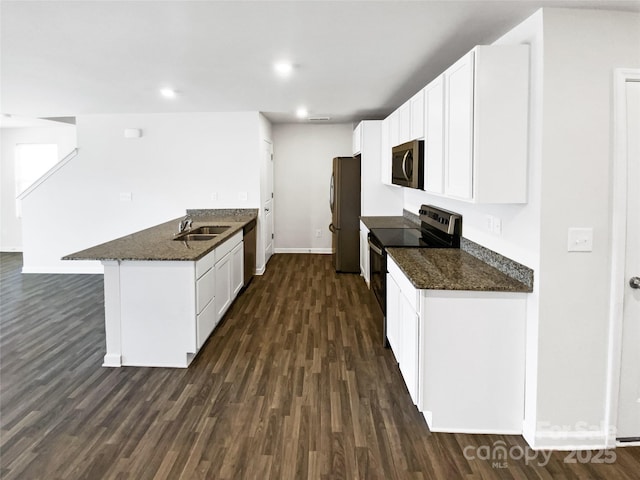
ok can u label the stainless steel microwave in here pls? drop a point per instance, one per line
(407, 164)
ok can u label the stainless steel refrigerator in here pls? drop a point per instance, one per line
(344, 200)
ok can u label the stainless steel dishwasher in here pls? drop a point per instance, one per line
(249, 240)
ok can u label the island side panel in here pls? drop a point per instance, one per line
(158, 317)
(112, 313)
(472, 361)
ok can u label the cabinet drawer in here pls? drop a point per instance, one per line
(205, 323)
(205, 263)
(205, 289)
(229, 245)
(406, 287)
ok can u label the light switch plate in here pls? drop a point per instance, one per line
(580, 240)
(125, 196)
(242, 196)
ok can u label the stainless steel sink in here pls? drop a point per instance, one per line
(206, 232)
(195, 237)
(210, 229)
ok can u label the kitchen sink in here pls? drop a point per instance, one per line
(206, 232)
(195, 237)
(210, 230)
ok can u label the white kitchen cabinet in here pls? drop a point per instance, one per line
(237, 269)
(404, 123)
(394, 132)
(402, 314)
(376, 198)
(471, 366)
(205, 293)
(486, 96)
(393, 317)
(417, 116)
(460, 353)
(364, 254)
(434, 136)
(385, 151)
(228, 274)
(357, 140)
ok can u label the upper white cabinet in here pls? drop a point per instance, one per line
(376, 198)
(357, 139)
(404, 123)
(417, 116)
(434, 136)
(486, 96)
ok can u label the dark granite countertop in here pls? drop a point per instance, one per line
(388, 222)
(452, 269)
(156, 243)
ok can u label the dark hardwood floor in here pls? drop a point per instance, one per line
(294, 384)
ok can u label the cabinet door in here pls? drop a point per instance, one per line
(409, 330)
(434, 136)
(205, 323)
(237, 270)
(459, 128)
(385, 152)
(364, 254)
(357, 139)
(393, 317)
(222, 299)
(394, 133)
(404, 123)
(417, 116)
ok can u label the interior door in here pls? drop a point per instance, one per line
(268, 203)
(628, 422)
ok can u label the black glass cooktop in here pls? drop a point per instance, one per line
(399, 237)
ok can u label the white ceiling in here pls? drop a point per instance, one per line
(354, 59)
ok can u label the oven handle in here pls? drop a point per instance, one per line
(375, 249)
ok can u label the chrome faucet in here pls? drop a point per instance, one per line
(185, 224)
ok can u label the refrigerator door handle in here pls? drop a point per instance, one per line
(332, 229)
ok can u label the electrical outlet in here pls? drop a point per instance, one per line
(318, 233)
(214, 196)
(488, 223)
(497, 226)
(242, 196)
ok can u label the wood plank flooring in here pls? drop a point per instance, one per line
(294, 384)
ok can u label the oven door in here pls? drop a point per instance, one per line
(378, 272)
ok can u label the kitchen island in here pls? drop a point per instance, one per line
(165, 295)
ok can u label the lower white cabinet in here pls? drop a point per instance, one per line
(228, 270)
(460, 353)
(364, 254)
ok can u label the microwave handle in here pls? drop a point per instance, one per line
(404, 165)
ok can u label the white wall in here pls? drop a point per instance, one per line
(303, 156)
(581, 49)
(573, 54)
(10, 225)
(180, 161)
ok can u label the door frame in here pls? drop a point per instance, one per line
(618, 247)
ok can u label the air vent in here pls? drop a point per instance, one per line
(319, 119)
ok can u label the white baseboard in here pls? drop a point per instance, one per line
(112, 360)
(83, 269)
(567, 440)
(10, 249)
(303, 250)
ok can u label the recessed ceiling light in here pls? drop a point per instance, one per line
(168, 92)
(284, 69)
(302, 112)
